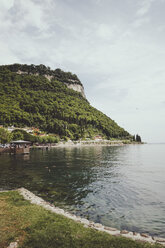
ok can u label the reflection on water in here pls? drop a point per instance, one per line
(122, 187)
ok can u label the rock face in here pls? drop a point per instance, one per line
(73, 85)
(13, 245)
(76, 87)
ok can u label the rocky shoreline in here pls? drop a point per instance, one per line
(82, 143)
(142, 237)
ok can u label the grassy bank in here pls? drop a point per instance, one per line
(35, 227)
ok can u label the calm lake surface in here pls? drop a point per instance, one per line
(123, 187)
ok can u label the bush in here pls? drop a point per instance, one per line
(17, 135)
(5, 136)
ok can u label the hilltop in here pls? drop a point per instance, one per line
(69, 79)
(36, 96)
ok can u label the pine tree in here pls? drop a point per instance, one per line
(138, 138)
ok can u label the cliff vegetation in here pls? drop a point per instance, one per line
(34, 101)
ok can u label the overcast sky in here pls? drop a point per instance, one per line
(116, 47)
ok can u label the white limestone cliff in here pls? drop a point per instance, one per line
(74, 85)
(77, 87)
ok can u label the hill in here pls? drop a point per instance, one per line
(28, 97)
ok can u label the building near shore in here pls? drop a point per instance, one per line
(20, 147)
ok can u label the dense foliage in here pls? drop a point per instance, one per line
(19, 134)
(58, 74)
(30, 100)
(137, 138)
(5, 136)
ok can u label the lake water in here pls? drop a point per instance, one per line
(123, 186)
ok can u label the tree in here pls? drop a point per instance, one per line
(138, 138)
(18, 135)
(33, 101)
(5, 136)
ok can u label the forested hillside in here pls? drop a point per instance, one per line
(32, 100)
(58, 74)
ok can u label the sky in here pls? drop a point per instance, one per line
(116, 48)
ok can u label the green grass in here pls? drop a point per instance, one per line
(36, 227)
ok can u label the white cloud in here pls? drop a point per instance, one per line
(27, 13)
(117, 53)
(5, 5)
(106, 32)
(144, 7)
(140, 21)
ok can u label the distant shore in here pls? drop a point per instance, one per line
(71, 143)
(81, 143)
(87, 143)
